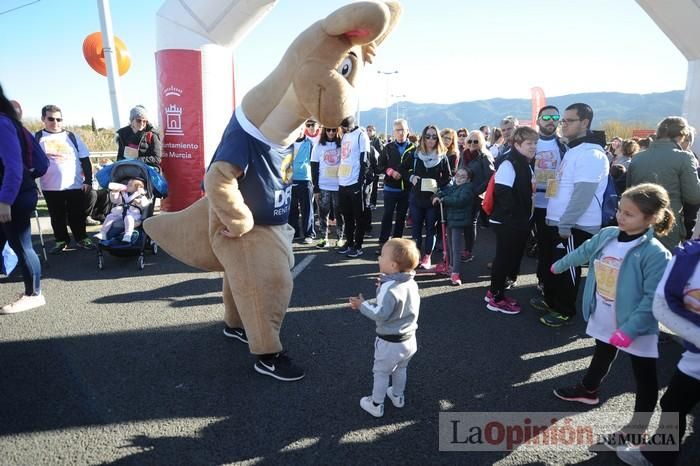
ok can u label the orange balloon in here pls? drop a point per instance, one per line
(93, 51)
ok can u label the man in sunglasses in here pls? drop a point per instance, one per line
(548, 154)
(66, 181)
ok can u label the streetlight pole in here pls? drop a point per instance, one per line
(394, 96)
(386, 99)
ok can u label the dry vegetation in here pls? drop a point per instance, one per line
(101, 140)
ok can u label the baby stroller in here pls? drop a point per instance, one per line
(122, 172)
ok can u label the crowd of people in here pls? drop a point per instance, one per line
(72, 199)
(546, 187)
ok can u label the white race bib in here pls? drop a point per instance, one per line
(428, 185)
(131, 153)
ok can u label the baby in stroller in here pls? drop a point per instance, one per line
(129, 202)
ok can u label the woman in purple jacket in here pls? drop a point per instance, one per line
(18, 197)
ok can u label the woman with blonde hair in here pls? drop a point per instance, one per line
(449, 139)
(429, 171)
(479, 161)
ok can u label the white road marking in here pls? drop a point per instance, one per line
(302, 265)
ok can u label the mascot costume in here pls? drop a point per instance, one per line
(240, 226)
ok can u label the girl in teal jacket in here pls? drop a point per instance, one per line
(626, 264)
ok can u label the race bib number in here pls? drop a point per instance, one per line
(428, 185)
(606, 279)
(344, 171)
(552, 188)
(131, 153)
(330, 172)
(543, 176)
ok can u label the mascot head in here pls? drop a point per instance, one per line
(318, 74)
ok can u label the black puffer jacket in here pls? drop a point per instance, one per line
(147, 141)
(513, 204)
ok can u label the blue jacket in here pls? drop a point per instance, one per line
(640, 273)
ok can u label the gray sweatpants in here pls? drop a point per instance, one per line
(456, 239)
(391, 359)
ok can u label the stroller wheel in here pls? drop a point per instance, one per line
(154, 246)
(100, 262)
(139, 263)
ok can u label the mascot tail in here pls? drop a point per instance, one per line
(185, 235)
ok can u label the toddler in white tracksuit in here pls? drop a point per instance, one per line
(130, 197)
(395, 312)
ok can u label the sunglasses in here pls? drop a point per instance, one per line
(431, 136)
(331, 130)
(54, 119)
(310, 125)
(550, 117)
(461, 135)
(472, 141)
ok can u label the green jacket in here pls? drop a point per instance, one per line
(640, 273)
(665, 163)
(457, 201)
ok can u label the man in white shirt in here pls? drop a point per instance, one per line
(66, 181)
(573, 210)
(550, 150)
(352, 179)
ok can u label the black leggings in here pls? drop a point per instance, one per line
(682, 394)
(644, 374)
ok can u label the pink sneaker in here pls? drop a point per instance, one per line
(425, 262)
(503, 306)
(455, 279)
(489, 297)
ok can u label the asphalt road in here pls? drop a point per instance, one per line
(130, 367)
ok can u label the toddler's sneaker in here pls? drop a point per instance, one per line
(308, 240)
(425, 262)
(126, 238)
(577, 393)
(455, 279)
(24, 303)
(355, 252)
(322, 243)
(397, 401)
(505, 306)
(368, 405)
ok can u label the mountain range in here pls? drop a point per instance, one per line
(646, 110)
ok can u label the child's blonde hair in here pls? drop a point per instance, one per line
(138, 183)
(652, 200)
(404, 252)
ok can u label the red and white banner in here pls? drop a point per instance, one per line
(538, 101)
(180, 102)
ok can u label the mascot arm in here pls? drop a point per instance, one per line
(226, 200)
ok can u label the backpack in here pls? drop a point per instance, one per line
(34, 157)
(608, 208)
(488, 203)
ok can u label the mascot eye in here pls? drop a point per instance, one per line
(345, 68)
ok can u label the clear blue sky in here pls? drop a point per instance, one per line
(445, 51)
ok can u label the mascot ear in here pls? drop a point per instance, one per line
(363, 23)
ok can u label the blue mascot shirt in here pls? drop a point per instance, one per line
(267, 173)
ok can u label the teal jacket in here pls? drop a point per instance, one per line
(640, 273)
(457, 201)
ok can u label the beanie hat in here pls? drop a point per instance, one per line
(138, 112)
